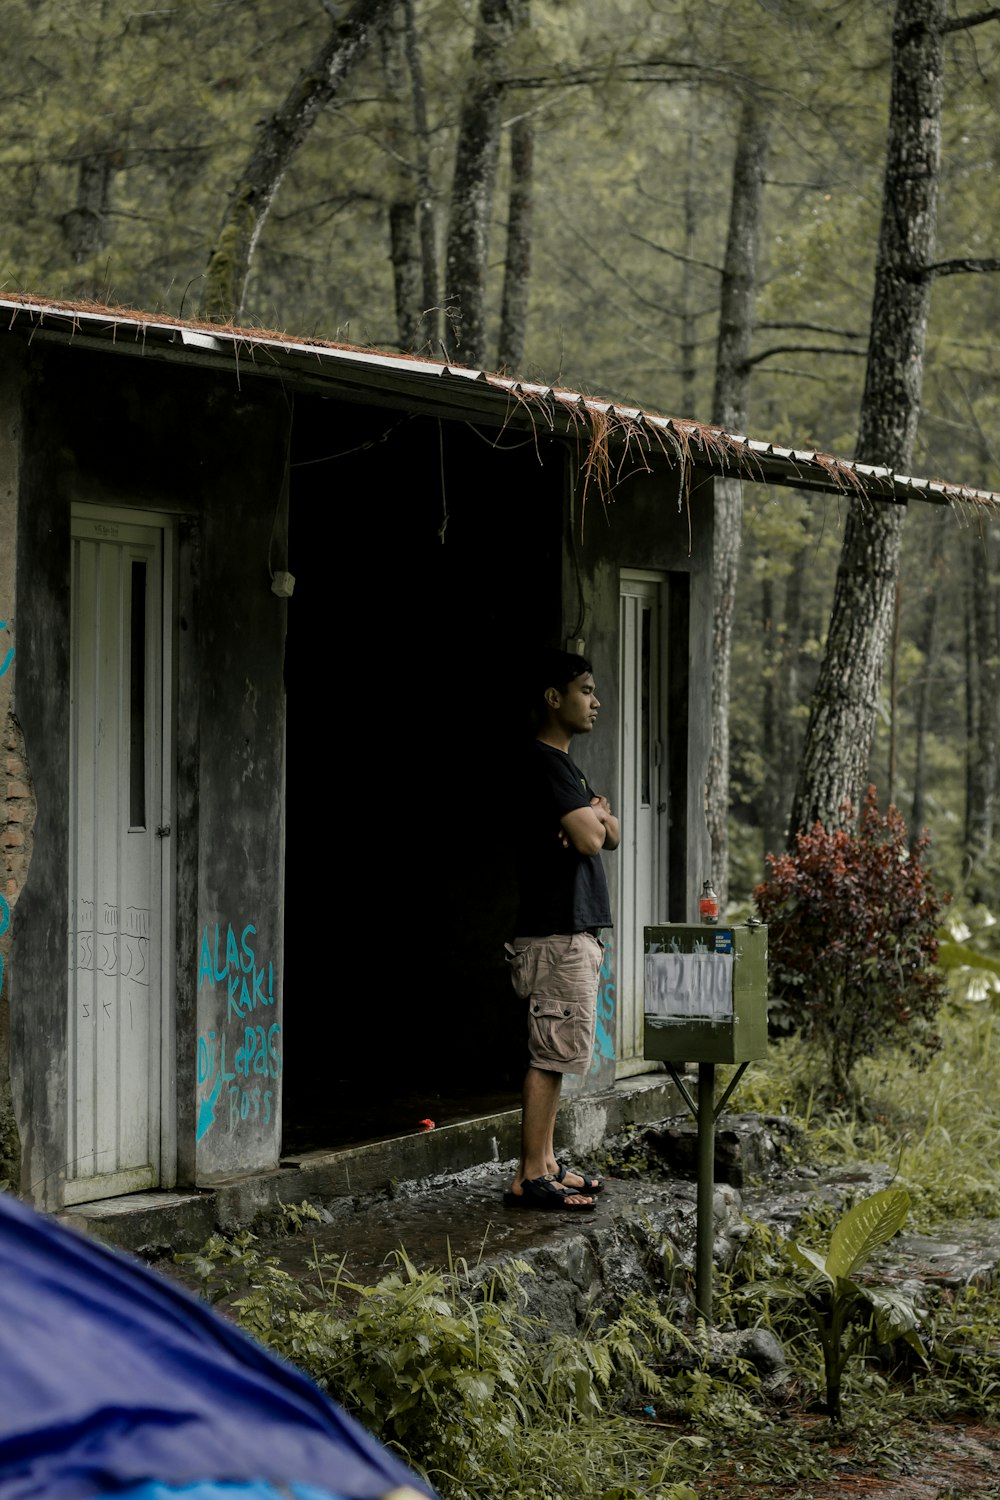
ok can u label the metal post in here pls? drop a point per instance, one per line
(705, 1113)
(705, 1231)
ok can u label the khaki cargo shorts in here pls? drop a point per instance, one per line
(558, 976)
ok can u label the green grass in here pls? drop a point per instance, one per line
(938, 1127)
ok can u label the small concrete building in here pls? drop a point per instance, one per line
(264, 603)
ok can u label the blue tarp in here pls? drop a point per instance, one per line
(114, 1381)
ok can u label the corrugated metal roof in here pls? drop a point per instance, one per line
(459, 391)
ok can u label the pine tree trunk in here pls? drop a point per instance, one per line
(278, 139)
(926, 643)
(517, 265)
(429, 326)
(729, 409)
(85, 225)
(689, 320)
(845, 700)
(471, 206)
(897, 619)
(404, 250)
(780, 697)
(404, 237)
(780, 749)
(982, 665)
(771, 808)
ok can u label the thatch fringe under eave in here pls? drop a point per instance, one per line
(614, 441)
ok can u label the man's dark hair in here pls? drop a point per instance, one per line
(557, 669)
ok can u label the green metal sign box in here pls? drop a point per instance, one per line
(705, 993)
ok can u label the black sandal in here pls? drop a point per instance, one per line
(590, 1184)
(545, 1193)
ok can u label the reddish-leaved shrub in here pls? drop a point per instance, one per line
(852, 916)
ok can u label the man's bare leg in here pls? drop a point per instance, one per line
(539, 1106)
(552, 1163)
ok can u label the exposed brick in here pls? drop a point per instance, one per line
(17, 788)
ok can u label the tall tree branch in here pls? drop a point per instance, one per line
(804, 349)
(968, 263)
(964, 23)
(278, 139)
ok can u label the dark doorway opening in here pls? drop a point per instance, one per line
(427, 560)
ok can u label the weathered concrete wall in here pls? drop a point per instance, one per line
(241, 641)
(187, 845)
(38, 958)
(166, 439)
(17, 819)
(699, 725)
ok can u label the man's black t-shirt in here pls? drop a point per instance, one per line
(559, 889)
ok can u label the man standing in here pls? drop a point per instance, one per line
(563, 906)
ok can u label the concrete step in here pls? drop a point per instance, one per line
(153, 1223)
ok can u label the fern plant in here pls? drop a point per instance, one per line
(849, 1315)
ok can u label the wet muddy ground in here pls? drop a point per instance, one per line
(956, 1462)
(439, 1223)
(462, 1218)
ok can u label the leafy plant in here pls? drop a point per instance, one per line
(292, 1218)
(967, 950)
(223, 1264)
(850, 1315)
(445, 1368)
(853, 916)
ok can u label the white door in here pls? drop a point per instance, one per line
(642, 864)
(118, 833)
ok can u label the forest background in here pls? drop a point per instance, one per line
(578, 157)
